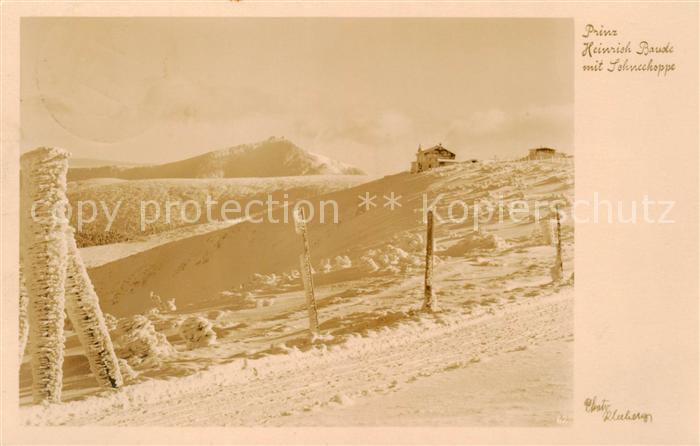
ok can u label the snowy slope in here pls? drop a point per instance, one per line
(92, 162)
(497, 307)
(270, 158)
(202, 267)
(124, 198)
(523, 350)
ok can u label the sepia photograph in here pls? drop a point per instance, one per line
(349, 222)
(296, 221)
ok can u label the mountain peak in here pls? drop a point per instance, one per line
(272, 157)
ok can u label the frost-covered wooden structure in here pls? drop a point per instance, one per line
(428, 293)
(53, 280)
(541, 153)
(306, 270)
(435, 156)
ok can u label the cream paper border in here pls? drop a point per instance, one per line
(636, 322)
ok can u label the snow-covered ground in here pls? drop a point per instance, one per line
(510, 366)
(498, 351)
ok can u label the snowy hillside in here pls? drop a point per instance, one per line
(202, 267)
(92, 162)
(270, 158)
(214, 326)
(123, 199)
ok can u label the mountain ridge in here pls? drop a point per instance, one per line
(269, 158)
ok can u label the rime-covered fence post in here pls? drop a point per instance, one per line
(306, 271)
(43, 252)
(23, 315)
(83, 308)
(429, 296)
(558, 268)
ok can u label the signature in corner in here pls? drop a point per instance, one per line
(609, 413)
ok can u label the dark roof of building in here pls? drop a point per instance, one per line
(439, 148)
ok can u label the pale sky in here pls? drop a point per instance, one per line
(364, 91)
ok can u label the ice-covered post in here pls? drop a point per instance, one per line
(43, 252)
(306, 272)
(429, 296)
(23, 315)
(54, 279)
(558, 268)
(83, 307)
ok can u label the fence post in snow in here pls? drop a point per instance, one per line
(23, 315)
(43, 253)
(55, 280)
(429, 296)
(306, 271)
(83, 308)
(558, 268)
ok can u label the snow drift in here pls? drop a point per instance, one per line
(197, 332)
(376, 240)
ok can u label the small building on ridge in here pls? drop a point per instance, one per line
(435, 156)
(541, 153)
